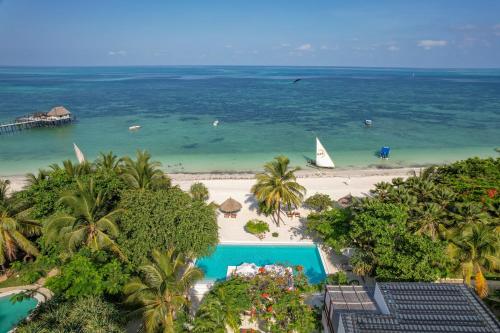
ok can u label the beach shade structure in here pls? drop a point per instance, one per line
(345, 201)
(230, 206)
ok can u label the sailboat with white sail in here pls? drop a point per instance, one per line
(79, 154)
(323, 159)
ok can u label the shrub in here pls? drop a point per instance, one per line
(275, 234)
(87, 274)
(318, 202)
(339, 278)
(257, 228)
(199, 191)
(84, 315)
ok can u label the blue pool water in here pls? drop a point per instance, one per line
(215, 266)
(12, 313)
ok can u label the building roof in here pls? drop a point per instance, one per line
(411, 307)
(58, 111)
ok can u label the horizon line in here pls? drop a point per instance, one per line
(216, 65)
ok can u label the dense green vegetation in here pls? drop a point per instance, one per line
(443, 222)
(84, 315)
(266, 299)
(95, 226)
(165, 218)
(119, 241)
(318, 202)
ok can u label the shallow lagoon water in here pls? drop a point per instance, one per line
(426, 116)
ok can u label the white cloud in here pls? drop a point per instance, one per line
(285, 45)
(118, 53)
(467, 27)
(393, 48)
(228, 46)
(305, 47)
(496, 29)
(430, 43)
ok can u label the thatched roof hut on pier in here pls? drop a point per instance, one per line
(59, 112)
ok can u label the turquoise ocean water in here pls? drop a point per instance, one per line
(426, 116)
(215, 266)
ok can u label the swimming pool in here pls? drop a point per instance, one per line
(12, 313)
(215, 266)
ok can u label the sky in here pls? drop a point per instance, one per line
(371, 33)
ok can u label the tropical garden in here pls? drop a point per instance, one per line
(114, 240)
(441, 223)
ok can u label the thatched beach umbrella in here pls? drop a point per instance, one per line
(230, 206)
(345, 201)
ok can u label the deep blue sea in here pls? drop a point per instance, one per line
(425, 116)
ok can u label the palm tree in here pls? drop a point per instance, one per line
(468, 214)
(276, 187)
(477, 249)
(73, 170)
(143, 173)
(429, 220)
(382, 190)
(15, 227)
(88, 224)
(109, 161)
(4, 187)
(162, 290)
(34, 179)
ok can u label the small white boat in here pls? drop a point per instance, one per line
(216, 123)
(368, 123)
(134, 127)
(323, 159)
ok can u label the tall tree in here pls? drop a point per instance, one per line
(143, 173)
(477, 249)
(277, 187)
(88, 223)
(161, 292)
(15, 227)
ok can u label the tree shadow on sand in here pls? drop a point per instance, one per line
(252, 202)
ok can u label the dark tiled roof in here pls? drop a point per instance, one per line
(424, 307)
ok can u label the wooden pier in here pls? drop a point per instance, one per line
(58, 116)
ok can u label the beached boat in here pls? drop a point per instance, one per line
(134, 127)
(79, 155)
(323, 159)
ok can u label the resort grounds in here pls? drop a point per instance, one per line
(335, 183)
